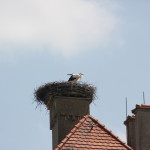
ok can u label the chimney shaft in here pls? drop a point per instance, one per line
(138, 128)
(130, 125)
(64, 114)
(142, 126)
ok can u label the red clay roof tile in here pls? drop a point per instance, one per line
(90, 134)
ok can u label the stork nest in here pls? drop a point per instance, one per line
(45, 93)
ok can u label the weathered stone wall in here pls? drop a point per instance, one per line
(142, 130)
(138, 128)
(130, 125)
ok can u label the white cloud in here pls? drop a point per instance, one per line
(66, 26)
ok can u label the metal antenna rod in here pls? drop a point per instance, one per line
(126, 108)
(143, 97)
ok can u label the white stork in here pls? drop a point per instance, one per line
(75, 77)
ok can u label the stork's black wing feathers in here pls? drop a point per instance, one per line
(71, 78)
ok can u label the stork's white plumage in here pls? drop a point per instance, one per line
(75, 77)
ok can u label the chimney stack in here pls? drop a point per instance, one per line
(68, 102)
(130, 125)
(138, 128)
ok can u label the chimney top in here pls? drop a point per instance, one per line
(46, 93)
(129, 118)
(142, 107)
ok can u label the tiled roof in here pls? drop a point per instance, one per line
(90, 134)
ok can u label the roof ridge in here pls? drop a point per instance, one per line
(71, 132)
(110, 132)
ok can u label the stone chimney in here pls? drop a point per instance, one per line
(130, 125)
(65, 112)
(140, 124)
(68, 102)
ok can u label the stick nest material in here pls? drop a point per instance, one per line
(45, 93)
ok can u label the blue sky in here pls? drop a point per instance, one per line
(43, 41)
